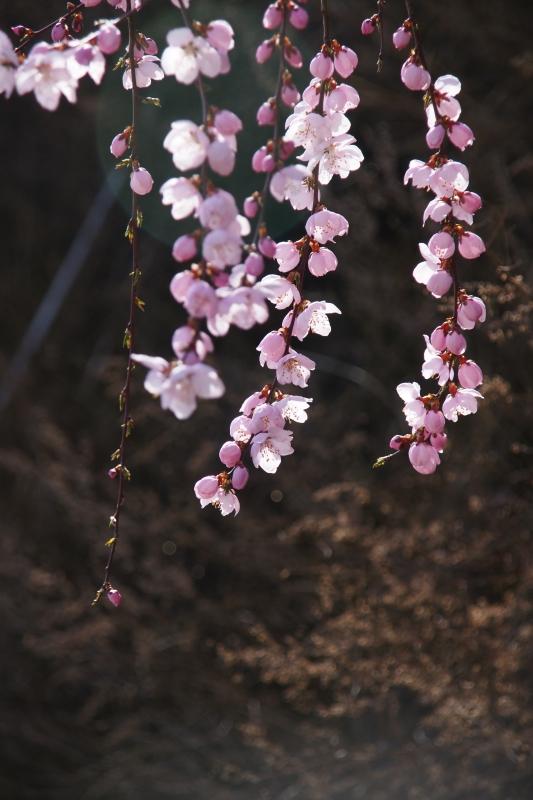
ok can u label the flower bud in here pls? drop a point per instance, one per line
(141, 181)
(205, 488)
(264, 51)
(267, 246)
(456, 343)
(239, 478)
(227, 123)
(299, 18)
(435, 137)
(266, 114)
(118, 145)
(368, 26)
(114, 597)
(272, 18)
(460, 135)
(470, 375)
(59, 32)
(401, 38)
(109, 38)
(230, 454)
(254, 265)
(250, 207)
(434, 422)
(184, 248)
(321, 66)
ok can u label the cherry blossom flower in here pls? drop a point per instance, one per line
(45, 72)
(188, 55)
(8, 65)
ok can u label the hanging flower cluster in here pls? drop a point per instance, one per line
(53, 69)
(452, 208)
(262, 432)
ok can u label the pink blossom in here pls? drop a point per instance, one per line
(221, 157)
(401, 37)
(218, 210)
(119, 145)
(251, 207)
(45, 72)
(289, 94)
(264, 51)
(182, 195)
(230, 454)
(438, 338)
(435, 136)
(461, 135)
(419, 174)
(266, 114)
(470, 311)
(59, 32)
(434, 421)
(299, 18)
(188, 55)
(147, 69)
(267, 246)
(200, 300)
(470, 375)
(293, 56)
(368, 26)
(184, 248)
(471, 245)
(268, 448)
(414, 76)
(414, 409)
(294, 368)
(141, 181)
(220, 35)
(109, 38)
(438, 441)
(271, 348)
(8, 65)
(254, 264)
(227, 123)
(272, 17)
(314, 319)
(455, 343)
(113, 595)
(281, 292)
(345, 61)
(461, 403)
(325, 225)
(321, 66)
(239, 477)
(435, 366)
(322, 261)
(287, 255)
(206, 487)
(188, 144)
(424, 458)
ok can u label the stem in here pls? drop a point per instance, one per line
(129, 338)
(277, 125)
(379, 64)
(32, 34)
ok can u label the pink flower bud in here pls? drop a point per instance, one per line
(205, 488)
(470, 311)
(438, 441)
(266, 114)
(321, 66)
(227, 123)
(414, 76)
(91, 3)
(434, 422)
(438, 339)
(470, 375)
(397, 442)
(114, 597)
(258, 158)
(254, 264)
(289, 94)
(141, 181)
(264, 51)
(460, 135)
(220, 35)
(293, 57)
(470, 202)
(299, 18)
(439, 283)
(272, 346)
(471, 245)
(272, 18)
(345, 62)
(59, 32)
(184, 248)
(455, 343)
(424, 458)
(150, 46)
(108, 39)
(267, 246)
(435, 137)
(401, 38)
(112, 473)
(286, 148)
(251, 207)
(322, 262)
(20, 30)
(368, 26)
(269, 163)
(230, 454)
(239, 478)
(118, 145)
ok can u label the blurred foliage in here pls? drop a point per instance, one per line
(352, 634)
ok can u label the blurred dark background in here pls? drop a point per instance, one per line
(351, 634)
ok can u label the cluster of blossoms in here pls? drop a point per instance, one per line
(262, 430)
(452, 207)
(53, 69)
